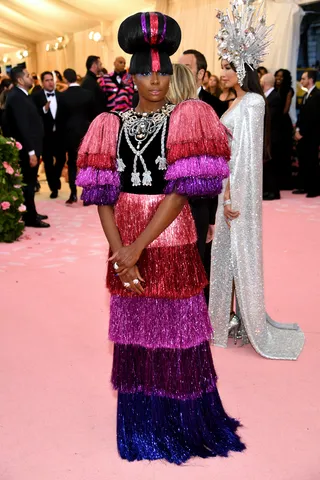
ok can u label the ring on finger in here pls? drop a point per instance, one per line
(116, 266)
(135, 281)
(126, 285)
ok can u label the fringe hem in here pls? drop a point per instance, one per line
(154, 428)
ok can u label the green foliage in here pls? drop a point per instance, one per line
(11, 224)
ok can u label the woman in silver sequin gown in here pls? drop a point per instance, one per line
(237, 249)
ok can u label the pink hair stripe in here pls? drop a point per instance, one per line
(155, 60)
(144, 27)
(154, 28)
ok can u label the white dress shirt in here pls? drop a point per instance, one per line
(53, 105)
(23, 90)
(309, 91)
(267, 93)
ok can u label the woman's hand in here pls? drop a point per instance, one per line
(230, 214)
(132, 280)
(125, 258)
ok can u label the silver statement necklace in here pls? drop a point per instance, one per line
(143, 128)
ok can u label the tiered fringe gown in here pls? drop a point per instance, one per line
(168, 403)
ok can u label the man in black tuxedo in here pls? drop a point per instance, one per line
(203, 209)
(24, 123)
(78, 112)
(197, 63)
(90, 82)
(47, 102)
(270, 168)
(308, 137)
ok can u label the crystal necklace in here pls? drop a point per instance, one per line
(143, 128)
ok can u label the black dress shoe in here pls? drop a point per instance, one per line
(313, 195)
(37, 224)
(72, 199)
(271, 196)
(54, 194)
(299, 191)
(42, 217)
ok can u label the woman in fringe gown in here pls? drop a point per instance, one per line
(140, 167)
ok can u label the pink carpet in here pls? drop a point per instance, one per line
(57, 409)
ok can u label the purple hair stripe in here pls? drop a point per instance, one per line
(144, 27)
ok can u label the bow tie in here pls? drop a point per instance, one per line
(50, 94)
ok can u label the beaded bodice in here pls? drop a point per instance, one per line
(141, 152)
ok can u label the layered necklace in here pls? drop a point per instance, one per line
(143, 128)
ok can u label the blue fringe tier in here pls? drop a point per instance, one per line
(154, 428)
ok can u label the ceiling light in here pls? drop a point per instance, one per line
(91, 35)
(47, 47)
(25, 53)
(97, 37)
(5, 59)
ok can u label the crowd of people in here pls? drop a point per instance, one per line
(279, 92)
(67, 111)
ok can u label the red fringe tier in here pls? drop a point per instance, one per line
(142, 208)
(169, 272)
(99, 146)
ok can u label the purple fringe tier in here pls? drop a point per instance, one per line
(195, 187)
(90, 177)
(166, 372)
(159, 322)
(98, 195)
(202, 166)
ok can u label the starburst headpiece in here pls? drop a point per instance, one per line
(243, 37)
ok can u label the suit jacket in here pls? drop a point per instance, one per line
(78, 111)
(309, 117)
(23, 121)
(275, 112)
(90, 82)
(212, 203)
(218, 106)
(40, 101)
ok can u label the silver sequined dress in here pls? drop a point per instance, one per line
(237, 253)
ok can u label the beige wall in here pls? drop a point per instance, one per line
(196, 18)
(199, 25)
(75, 53)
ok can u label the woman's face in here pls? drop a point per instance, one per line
(279, 79)
(222, 84)
(228, 75)
(212, 81)
(152, 86)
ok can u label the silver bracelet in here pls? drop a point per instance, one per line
(227, 202)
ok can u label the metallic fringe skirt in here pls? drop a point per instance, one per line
(168, 403)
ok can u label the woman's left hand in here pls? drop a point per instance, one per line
(125, 258)
(230, 214)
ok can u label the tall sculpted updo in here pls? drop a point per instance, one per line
(151, 38)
